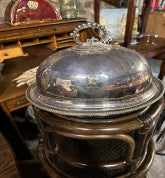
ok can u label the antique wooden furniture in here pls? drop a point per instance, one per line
(8, 165)
(162, 71)
(56, 35)
(152, 21)
(14, 39)
(130, 18)
(88, 147)
(148, 50)
(55, 174)
(96, 120)
(156, 23)
(11, 97)
(152, 51)
(144, 17)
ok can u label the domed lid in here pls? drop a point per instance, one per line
(94, 79)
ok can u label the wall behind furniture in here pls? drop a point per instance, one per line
(3, 4)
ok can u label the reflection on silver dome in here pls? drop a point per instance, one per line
(111, 81)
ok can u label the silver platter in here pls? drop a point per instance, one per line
(100, 107)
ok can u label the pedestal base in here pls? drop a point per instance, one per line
(140, 172)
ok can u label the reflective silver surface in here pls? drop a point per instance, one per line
(94, 80)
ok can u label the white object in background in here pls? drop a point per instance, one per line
(148, 38)
(140, 6)
(115, 22)
(28, 77)
(154, 40)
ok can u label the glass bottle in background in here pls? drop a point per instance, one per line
(68, 9)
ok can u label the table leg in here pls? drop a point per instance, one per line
(11, 119)
(162, 71)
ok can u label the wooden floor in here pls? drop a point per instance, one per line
(10, 168)
(8, 165)
(31, 169)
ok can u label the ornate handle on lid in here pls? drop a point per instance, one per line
(104, 35)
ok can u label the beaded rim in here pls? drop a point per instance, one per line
(31, 96)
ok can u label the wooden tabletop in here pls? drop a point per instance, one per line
(149, 50)
(8, 166)
(8, 27)
(10, 32)
(15, 67)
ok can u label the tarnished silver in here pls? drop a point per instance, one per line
(94, 79)
(103, 33)
(92, 46)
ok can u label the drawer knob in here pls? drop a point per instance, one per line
(21, 102)
(5, 54)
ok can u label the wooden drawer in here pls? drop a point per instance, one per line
(10, 53)
(17, 103)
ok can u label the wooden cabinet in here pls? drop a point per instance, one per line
(55, 35)
(17, 103)
(35, 42)
(7, 52)
(156, 23)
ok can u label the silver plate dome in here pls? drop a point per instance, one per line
(94, 80)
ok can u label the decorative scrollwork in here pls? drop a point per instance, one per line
(104, 35)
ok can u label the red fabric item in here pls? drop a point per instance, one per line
(29, 11)
(156, 4)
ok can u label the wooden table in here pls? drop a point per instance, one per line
(148, 50)
(56, 35)
(11, 97)
(29, 39)
(8, 166)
